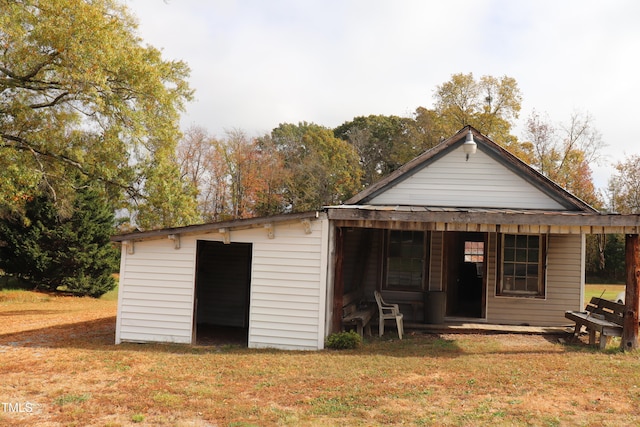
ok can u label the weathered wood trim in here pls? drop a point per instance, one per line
(176, 240)
(237, 224)
(632, 293)
(226, 235)
(271, 234)
(338, 281)
(306, 226)
(325, 275)
(129, 244)
(553, 222)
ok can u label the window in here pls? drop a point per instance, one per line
(405, 260)
(522, 268)
(473, 251)
(474, 254)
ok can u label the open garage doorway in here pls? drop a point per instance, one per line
(223, 281)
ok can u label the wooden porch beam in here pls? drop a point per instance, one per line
(338, 281)
(632, 293)
(560, 222)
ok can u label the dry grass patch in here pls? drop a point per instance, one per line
(58, 355)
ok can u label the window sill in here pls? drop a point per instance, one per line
(521, 295)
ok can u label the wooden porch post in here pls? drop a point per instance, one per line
(632, 262)
(338, 282)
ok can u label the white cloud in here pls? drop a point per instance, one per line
(256, 64)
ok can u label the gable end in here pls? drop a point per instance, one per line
(563, 200)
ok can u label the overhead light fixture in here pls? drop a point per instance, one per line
(469, 146)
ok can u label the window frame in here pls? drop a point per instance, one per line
(425, 262)
(541, 292)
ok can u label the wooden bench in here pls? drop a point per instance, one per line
(357, 313)
(602, 316)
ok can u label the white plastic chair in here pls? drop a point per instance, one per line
(388, 311)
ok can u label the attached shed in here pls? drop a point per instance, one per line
(267, 275)
(472, 235)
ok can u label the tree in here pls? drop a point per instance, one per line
(490, 104)
(254, 174)
(624, 186)
(564, 153)
(193, 156)
(169, 201)
(605, 259)
(80, 93)
(269, 178)
(234, 177)
(429, 127)
(323, 170)
(383, 143)
(55, 252)
(203, 166)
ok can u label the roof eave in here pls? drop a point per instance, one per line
(214, 226)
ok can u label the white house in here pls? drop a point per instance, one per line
(474, 234)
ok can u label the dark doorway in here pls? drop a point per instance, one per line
(465, 255)
(223, 280)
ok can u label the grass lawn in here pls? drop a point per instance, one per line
(59, 366)
(112, 295)
(603, 291)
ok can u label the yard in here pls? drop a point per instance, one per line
(59, 367)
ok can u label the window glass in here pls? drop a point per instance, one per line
(521, 267)
(406, 254)
(473, 251)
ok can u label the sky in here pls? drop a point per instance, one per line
(256, 63)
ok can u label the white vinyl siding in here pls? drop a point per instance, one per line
(564, 281)
(155, 296)
(288, 285)
(479, 182)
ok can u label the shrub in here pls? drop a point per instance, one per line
(344, 340)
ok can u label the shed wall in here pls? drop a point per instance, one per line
(455, 182)
(288, 287)
(156, 292)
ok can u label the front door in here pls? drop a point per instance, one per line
(465, 274)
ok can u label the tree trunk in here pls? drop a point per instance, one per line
(632, 293)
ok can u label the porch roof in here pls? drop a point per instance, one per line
(482, 219)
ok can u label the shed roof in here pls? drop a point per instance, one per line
(236, 224)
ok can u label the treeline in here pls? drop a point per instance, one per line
(89, 122)
(304, 166)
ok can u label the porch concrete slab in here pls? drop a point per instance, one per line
(470, 327)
